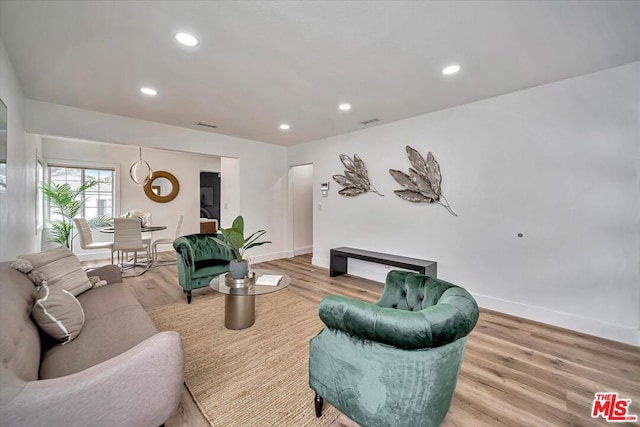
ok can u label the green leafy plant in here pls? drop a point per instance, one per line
(66, 202)
(100, 221)
(234, 238)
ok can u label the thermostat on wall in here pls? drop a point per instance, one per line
(324, 188)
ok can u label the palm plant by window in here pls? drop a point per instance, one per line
(68, 203)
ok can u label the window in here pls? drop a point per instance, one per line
(39, 195)
(98, 200)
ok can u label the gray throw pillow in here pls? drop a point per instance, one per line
(60, 268)
(58, 313)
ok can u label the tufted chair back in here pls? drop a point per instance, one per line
(396, 362)
(200, 247)
(411, 291)
(200, 259)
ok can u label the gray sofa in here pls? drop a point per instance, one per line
(119, 371)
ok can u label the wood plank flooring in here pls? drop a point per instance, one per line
(515, 372)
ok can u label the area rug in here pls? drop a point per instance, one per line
(253, 377)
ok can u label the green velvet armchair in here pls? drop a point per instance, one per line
(199, 260)
(395, 362)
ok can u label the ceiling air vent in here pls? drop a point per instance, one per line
(206, 125)
(368, 122)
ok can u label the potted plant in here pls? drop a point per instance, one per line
(65, 202)
(233, 238)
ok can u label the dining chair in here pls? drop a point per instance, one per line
(146, 221)
(127, 237)
(86, 237)
(165, 241)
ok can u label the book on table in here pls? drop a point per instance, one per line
(268, 280)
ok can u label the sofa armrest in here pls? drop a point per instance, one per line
(182, 245)
(110, 273)
(140, 387)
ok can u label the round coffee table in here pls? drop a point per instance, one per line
(240, 302)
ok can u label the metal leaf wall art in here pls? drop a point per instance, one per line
(355, 179)
(422, 184)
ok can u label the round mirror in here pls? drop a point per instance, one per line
(162, 187)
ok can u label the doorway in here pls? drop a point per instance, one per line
(210, 195)
(302, 208)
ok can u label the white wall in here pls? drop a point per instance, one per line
(559, 163)
(18, 234)
(302, 203)
(262, 167)
(229, 194)
(185, 167)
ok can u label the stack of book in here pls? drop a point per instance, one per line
(268, 280)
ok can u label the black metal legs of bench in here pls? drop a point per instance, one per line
(337, 264)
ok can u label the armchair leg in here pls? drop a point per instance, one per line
(318, 401)
(188, 297)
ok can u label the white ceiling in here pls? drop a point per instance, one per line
(263, 63)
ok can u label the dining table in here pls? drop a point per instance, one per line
(144, 228)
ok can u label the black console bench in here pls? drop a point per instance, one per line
(339, 257)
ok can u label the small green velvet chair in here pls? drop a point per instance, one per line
(200, 259)
(396, 362)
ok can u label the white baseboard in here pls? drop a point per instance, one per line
(560, 319)
(267, 257)
(320, 262)
(539, 314)
(302, 251)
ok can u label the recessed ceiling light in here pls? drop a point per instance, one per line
(451, 69)
(344, 107)
(187, 39)
(285, 126)
(148, 91)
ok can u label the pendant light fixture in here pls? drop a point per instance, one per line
(140, 171)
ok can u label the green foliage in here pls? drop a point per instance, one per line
(100, 221)
(64, 201)
(233, 238)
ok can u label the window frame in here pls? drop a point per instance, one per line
(76, 164)
(40, 174)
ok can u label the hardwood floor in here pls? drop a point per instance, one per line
(515, 372)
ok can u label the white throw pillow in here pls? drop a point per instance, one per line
(58, 313)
